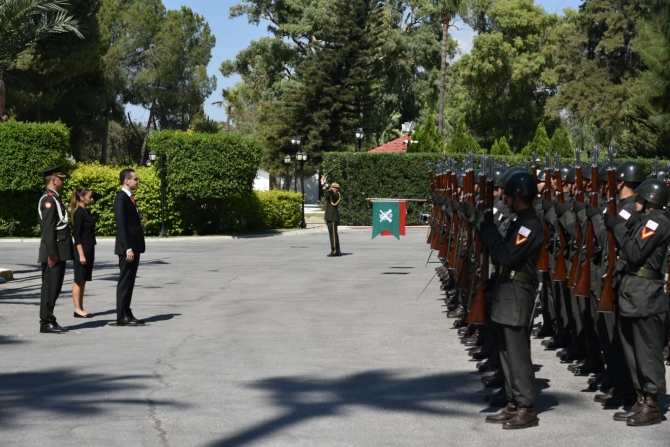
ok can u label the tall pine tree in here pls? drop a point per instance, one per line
(333, 90)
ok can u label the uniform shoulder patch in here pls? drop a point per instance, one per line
(47, 205)
(523, 231)
(522, 235)
(625, 214)
(651, 225)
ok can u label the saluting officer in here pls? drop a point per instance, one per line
(332, 214)
(642, 300)
(55, 247)
(514, 298)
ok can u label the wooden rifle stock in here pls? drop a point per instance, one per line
(464, 256)
(583, 287)
(579, 197)
(606, 303)
(456, 224)
(477, 314)
(560, 269)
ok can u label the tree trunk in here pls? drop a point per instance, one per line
(146, 134)
(443, 70)
(3, 117)
(228, 110)
(105, 136)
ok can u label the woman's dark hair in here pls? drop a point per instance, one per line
(77, 195)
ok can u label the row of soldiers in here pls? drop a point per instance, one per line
(590, 244)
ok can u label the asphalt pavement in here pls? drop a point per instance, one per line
(265, 341)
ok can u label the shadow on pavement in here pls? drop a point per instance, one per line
(5, 340)
(68, 392)
(305, 398)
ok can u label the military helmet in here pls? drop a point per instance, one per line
(541, 176)
(520, 184)
(630, 171)
(661, 174)
(460, 175)
(497, 174)
(506, 175)
(571, 176)
(654, 191)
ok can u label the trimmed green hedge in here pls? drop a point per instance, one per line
(208, 166)
(403, 176)
(26, 149)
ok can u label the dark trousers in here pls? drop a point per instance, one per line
(642, 340)
(517, 365)
(562, 311)
(610, 340)
(334, 238)
(125, 286)
(52, 283)
(547, 298)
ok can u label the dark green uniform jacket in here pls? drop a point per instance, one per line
(333, 200)
(56, 238)
(645, 245)
(518, 251)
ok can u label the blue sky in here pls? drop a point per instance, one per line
(233, 35)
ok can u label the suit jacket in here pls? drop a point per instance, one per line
(54, 241)
(84, 227)
(129, 234)
(332, 202)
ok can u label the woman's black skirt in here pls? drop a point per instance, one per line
(83, 273)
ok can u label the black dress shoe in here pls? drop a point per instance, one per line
(88, 315)
(127, 321)
(52, 328)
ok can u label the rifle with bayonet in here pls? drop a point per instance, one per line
(560, 269)
(435, 241)
(583, 287)
(579, 197)
(446, 226)
(456, 221)
(654, 169)
(477, 313)
(543, 260)
(463, 258)
(606, 303)
(433, 194)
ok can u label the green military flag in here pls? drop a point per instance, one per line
(386, 216)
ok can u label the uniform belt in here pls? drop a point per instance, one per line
(644, 273)
(523, 277)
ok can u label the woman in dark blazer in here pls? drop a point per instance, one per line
(84, 243)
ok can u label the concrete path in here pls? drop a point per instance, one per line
(266, 341)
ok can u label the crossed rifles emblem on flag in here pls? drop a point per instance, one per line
(388, 215)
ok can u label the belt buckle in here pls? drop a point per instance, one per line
(511, 274)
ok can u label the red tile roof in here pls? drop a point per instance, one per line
(393, 146)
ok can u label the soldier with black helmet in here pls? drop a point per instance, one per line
(642, 300)
(55, 247)
(513, 304)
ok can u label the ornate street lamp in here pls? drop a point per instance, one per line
(359, 136)
(161, 164)
(287, 161)
(295, 141)
(302, 158)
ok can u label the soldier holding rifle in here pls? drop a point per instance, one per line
(516, 254)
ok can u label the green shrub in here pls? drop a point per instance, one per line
(208, 166)
(26, 149)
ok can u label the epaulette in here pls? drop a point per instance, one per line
(50, 194)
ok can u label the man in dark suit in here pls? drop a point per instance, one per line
(55, 248)
(332, 214)
(129, 244)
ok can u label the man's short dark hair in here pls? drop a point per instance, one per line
(125, 174)
(47, 179)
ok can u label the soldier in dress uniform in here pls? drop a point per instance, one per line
(55, 247)
(642, 301)
(513, 303)
(333, 198)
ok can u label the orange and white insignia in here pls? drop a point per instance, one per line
(520, 239)
(47, 205)
(647, 233)
(522, 235)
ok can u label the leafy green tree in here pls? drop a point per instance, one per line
(540, 145)
(462, 142)
(24, 23)
(500, 147)
(428, 137)
(561, 144)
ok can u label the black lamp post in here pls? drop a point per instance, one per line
(287, 161)
(161, 164)
(302, 158)
(295, 141)
(359, 136)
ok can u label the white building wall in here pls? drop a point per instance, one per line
(262, 183)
